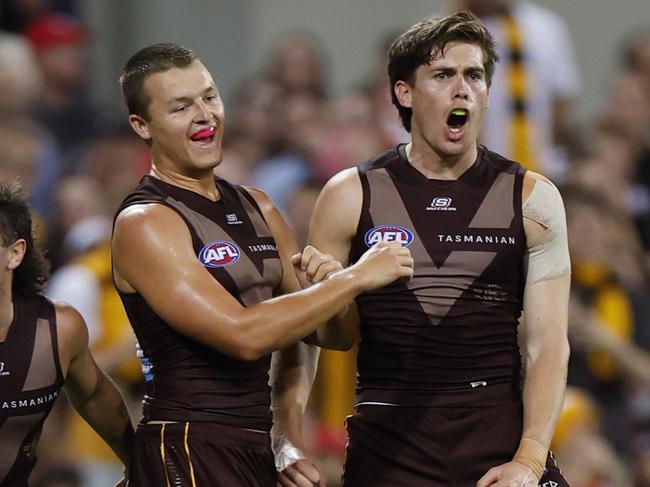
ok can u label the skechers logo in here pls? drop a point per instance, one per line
(384, 234)
(220, 253)
(441, 204)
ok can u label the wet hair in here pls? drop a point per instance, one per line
(426, 40)
(16, 223)
(147, 61)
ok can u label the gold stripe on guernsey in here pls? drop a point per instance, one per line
(187, 451)
(521, 129)
(162, 454)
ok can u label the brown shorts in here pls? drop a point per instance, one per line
(394, 446)
(201, 454)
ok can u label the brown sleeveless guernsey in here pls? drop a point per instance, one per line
(186, 380)
(30, 381)
(453, 327)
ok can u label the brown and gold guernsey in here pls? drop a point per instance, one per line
(453, 327)
(186, 380)
(30, 381)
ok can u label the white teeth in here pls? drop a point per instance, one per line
(454, 130)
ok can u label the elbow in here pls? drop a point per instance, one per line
(245, 349)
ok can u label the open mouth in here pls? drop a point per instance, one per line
(204, 136)
(457, 119)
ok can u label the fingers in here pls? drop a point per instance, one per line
(296, 260)
(300, 474)
(489, 478)
(316, 265)
(325, 270)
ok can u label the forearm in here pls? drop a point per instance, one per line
(339, 333)
(279, 322)
(544, 386)
(104, 410)
(292, 375)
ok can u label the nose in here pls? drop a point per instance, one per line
(203, 114)
(461, 89)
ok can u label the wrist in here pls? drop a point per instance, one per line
(532, 454)
(286, 453)
(353, 278)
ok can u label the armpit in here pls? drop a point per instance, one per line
(548, 257)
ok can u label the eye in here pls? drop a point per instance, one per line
(211, 97)
(440, 76)
(180, 108)
(476, 76)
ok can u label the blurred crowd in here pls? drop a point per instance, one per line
(287, 133)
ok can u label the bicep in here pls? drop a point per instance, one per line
(153, 253)
(547, 270)
(77, 363)
(336, 215)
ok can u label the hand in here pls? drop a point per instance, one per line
(511, 474)
(314, 266)
(303, 473)
(382, 264)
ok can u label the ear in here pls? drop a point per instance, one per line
(139, 126)
(403, 93)
(16, 253)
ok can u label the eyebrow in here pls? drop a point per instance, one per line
(208, 90)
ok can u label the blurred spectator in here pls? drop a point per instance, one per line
(20, 85)
(64, 106)
(86, 283)
(254, 129)
(586, 457)
(297, 63)
(15, 14)
(356, 136)
(305, 129)
(116, 159)
(534, 85)
(29, 156)
(20, 76)
(377, 88)
(609, 291)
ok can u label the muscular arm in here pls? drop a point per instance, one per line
(546, 302)
(331, 230)
(545, 345)
(153, 255)
(92, 393)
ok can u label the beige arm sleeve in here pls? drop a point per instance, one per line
(548, 256)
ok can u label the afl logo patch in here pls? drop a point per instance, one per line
(220, 253)
(387, 233)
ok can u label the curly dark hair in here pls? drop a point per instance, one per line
(16, 223)
(427, 39)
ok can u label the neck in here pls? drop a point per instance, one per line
(202, 184)
(6, 313)
(435, 165)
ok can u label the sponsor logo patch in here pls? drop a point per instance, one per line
(441, 204)
(220, 253)
(388, 233)
(2, 369)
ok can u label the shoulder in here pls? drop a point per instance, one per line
(387, 158)
(343, 181)
(145, 217)
(71, 330)
(541, 185)
(261, 197)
